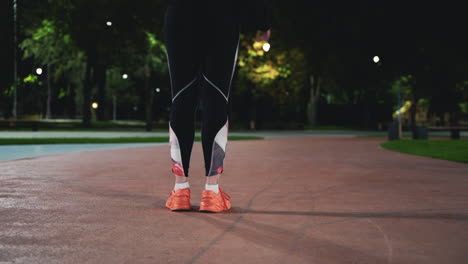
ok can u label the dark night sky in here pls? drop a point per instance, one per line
(403, 34)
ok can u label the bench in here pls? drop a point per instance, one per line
(454, 130)
(33, 124)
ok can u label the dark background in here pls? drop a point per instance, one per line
(426, 41)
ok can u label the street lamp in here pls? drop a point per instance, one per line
(114, 107)
(400, 127)
(376, 59)
(15, 65)
(94, 106)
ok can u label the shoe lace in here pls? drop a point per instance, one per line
(173, 194)
(208, 199)
(225, 196)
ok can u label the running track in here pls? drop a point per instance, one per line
(297, 200)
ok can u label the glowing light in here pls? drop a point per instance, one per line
(158, 90)
(266, 47)
(405, 108)
(125, 76)
(376, 59)
(257, 45)
(109, 23)
(94, 105)
(39, 71)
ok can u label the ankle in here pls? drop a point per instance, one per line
(180, 179)
(212, 179)
(181, 185)
(212, 187)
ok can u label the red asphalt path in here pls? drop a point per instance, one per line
(302, 200)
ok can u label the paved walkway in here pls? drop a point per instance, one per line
(301, 200)
(17, 152)
(112, 134)
(9, 152)
(260, 133)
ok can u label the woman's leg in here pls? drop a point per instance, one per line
(221, 47)
(183, 63)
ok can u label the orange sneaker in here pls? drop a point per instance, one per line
(212, 202)
(179, 200)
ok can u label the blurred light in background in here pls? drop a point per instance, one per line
(94, 105)
(376, 59)
(39, 71)
(125, 76)
(266, 47)
(405, 108)
(109, 23)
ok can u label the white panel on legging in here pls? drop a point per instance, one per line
(221, 136)
(175, 148)
(177, 167)
(218, 151)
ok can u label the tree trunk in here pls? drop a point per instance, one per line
(253, 109)
(87, 94)
(149, 94)
(315, 85)
(413, 110)
(71, 101)
(49, 94)
(455, 118)
(100, 75)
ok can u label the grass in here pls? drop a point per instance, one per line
(454, 150)
(30, 141)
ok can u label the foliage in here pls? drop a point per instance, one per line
(308, 39)
(50, 44)
(153, 59)
(462, 90)
(31, 79)
(9, 91)
(122, 88)
(278, 73)
(464, 107)
(403, 87)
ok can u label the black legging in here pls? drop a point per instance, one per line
(202, 39)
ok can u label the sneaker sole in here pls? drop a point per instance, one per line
(181, 209)
(211, 211)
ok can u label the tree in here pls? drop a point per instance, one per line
(276, 74)
(105, 45)
(152, 61)
(52, 46)
(312, 29)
